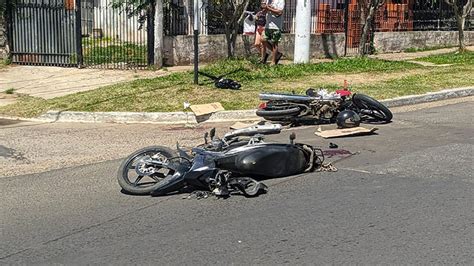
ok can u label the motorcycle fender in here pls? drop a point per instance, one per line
(169, 184)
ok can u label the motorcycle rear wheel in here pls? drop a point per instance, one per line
(279, 114)
(372, 108)
(143, 184)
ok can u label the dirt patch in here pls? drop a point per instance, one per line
(6, 98)
(4, 95)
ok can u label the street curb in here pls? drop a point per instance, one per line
(224, 116)
(429, 97)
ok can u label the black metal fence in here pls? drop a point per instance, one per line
(112, 35)
(329, 16)
(109, 34)
(99, 34)
(43, 32)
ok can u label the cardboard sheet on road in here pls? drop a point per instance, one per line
(204, 109)
(343, 132)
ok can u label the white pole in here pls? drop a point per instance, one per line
(197, 5)
(158, 33)
(196, 40)
(302, 31)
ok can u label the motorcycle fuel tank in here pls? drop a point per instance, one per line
(265, 160)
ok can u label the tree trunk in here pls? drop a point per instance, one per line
(460, 13)
(365, 30)
(233, 38)
(461, 21)
(228, 39)
(158, 49)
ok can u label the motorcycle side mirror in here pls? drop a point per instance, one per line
(292, 138)
(212, 133)
(205, 137)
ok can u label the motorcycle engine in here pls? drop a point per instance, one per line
(325, 112)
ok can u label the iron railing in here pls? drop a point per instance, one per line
(328, 17)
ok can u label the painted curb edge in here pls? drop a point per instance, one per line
(224, 116)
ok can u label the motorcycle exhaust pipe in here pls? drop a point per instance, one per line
(294, 98)
(254, 130)
(286, 97)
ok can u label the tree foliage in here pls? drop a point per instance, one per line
(138, 8)
(3, 6)
(231, 14)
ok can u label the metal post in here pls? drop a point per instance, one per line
(346, 25)
(150, 32)
(302, 31)
(78, 33)
(439, 15)
(196, 40)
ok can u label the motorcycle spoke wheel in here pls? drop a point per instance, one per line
(133, 176)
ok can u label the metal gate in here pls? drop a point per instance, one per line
(43, 32)
(99, 34)
(113, 36)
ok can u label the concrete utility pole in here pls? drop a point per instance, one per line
(196, 39)
(158, 47)
(302, 31)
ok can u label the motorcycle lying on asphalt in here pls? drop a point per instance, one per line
(320, 107)
(216, 166)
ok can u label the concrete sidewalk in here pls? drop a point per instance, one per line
(404, 56)
(50, 82)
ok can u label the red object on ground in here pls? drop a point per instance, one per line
(343, 92)
(262, 105)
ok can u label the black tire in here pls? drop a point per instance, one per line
(280, 113)
(133, 188)
(374, 109)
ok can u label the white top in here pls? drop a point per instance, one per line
(273, 21)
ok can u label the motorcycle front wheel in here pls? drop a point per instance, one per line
(371, 108)
(136, 177)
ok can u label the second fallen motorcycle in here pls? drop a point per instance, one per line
(319, 107)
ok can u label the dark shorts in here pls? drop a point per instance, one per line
(272, 36)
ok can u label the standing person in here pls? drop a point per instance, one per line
(273, 27)
(260, 21)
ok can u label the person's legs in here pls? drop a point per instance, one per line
(276, 55)
(263, 52)
(266, 44)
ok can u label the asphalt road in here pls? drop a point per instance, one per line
(406, 198)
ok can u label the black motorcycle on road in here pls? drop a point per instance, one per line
(320, 107)
(160, 171)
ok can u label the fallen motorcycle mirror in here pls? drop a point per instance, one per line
(159, 170)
